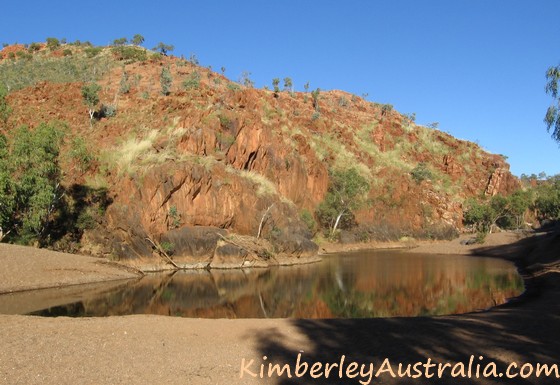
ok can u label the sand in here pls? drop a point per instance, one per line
(166, 350)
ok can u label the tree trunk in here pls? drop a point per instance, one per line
(336, 222)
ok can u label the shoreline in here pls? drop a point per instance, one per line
(142, 349)
(28, 268)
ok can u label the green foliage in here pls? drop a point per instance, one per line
(108, 111)
(192, 82)
(552, 117)
(233, 86)
(168, 247)
(174, 217)
(120, 42)
(90, 96)
(245, 79)
(276, 85)
(124, 84)
(386, 109)
(410, 118)
(163, 48)
(15, 75)
(165, 80)
(347, 192)
(80, 154)
(5, 109)
(24, 55)
(129, 54)
(315, 96)
(506, 212)
(547, 202)
(137, 39)
(30, 190)
(308, 219)
(52, 43)
(92, 51)
(421, 172)
(288, 84)
(34, 47)
(316, 115)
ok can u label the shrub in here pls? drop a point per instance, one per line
(30, 176)
(81, 155)
(421, 172)
(5, 109)
(192, 82)
(129, 54)
(34, 47)
(52, 43)
(347, 192)
(92, 51)
(308, 219)
(108, 111)
(166, 80)
(124, 84)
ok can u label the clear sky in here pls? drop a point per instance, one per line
(475, 66)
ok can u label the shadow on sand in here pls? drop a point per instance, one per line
(525, 330)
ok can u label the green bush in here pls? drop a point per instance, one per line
(166, 80)
(308, 219)
(192, 82)
(30, 176)
(52, 43)
(347, 192)
(92, 51)
(80, 154)
(421, 173)
(130, 54)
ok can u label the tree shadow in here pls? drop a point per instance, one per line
(525, 331)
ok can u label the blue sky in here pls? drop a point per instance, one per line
(475, 66)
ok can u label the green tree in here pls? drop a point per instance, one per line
(164, 48)
(315, 96)
(120, 42)
(245, 79)
(276, 86)
(30, 190)
(137, 39)
(165, 80)
(5, 109)
(90, 96)
(53, 43)
(347, 192)
(552, 117)
(547, 201)
(7, 195)
(288, 84)
(124, 84)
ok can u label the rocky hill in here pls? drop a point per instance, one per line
(209, 158)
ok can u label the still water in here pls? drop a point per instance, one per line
(349, 285)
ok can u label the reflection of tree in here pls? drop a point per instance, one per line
(339, 287)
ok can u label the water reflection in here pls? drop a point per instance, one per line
(360, 284)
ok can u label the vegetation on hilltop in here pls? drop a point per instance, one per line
(220, 153)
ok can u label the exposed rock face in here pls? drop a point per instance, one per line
(220, 159)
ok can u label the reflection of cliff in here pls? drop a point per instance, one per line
(394, 284)
(353, 285)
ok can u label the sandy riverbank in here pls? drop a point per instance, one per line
(166, 350)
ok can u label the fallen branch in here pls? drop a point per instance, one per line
(162, 253)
